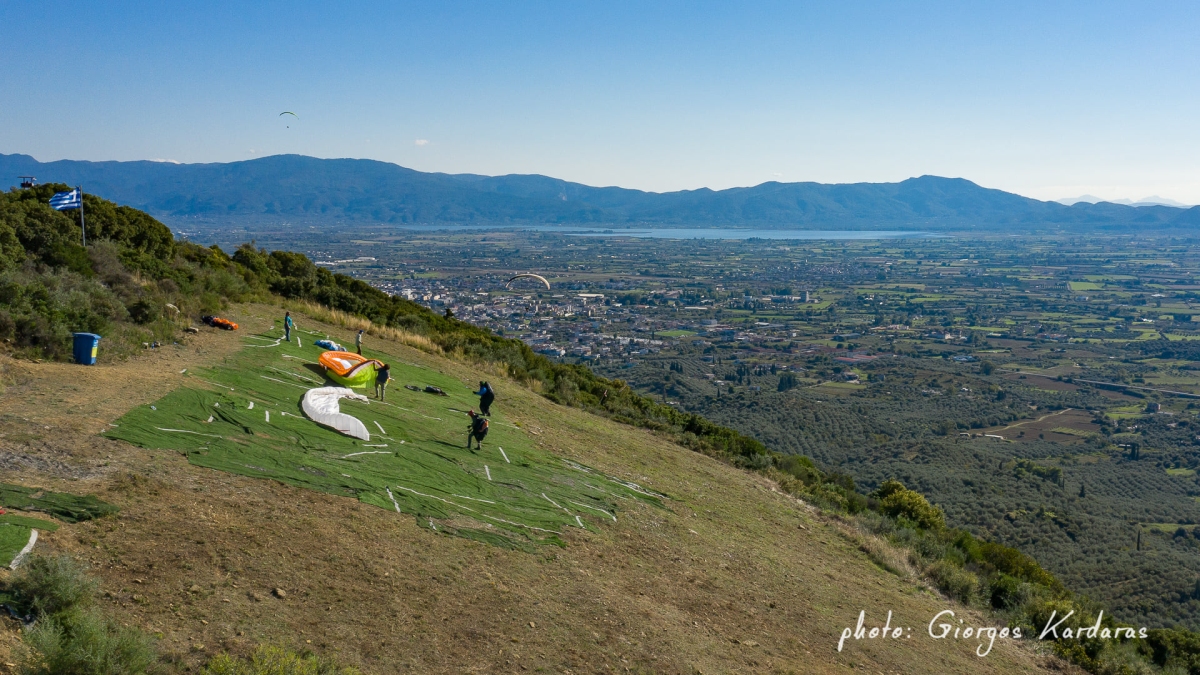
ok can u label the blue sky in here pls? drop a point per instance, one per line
(1044, 99)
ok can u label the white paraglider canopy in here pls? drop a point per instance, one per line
(529, 276)
(321, 406)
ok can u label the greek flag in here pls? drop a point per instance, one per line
(64, 201)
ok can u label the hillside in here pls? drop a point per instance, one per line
(730, 575)
(588, 456)
(310, 191)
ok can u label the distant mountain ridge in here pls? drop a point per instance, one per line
(296, 188)
(1152, 200)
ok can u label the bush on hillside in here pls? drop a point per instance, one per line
(954, 581)
(70, 635)
(1009, 561)
(50, 585)
(84, 642)
(1172, 648)
(899, 502)
(39, 311)
(272, 660)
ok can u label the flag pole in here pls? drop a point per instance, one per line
(82, 224)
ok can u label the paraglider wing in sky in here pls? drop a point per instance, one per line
(530, 276)
(289, 113)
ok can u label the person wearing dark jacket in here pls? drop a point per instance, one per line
(478, 430)
(382, 375)
(486, 396)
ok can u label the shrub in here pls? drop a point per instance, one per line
(50, 585)
(954, 581)
(1004, 592)
(1010, 561)
(82, 642)
(143, 311)
(71, 256)
(842, 480)
(270, 660)
(899, 502)
(565, 391)
(756, 462)
(1172, 647)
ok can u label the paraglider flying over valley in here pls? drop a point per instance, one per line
(530, 276)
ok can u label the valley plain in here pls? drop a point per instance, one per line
(1043, 391)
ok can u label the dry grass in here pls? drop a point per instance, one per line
(351, 322)
(879, 550)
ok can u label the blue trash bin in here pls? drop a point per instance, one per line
(86, 346)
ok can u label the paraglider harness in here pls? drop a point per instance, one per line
(478, 430)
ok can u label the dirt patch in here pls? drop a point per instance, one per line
(1063, 426)
(1045, 383)
(51, 413)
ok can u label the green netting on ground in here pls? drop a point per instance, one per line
(25, 521)
(12, 539)
(14, 534)
(68, 507)
(244, 417)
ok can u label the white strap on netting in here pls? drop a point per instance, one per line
(185, 431)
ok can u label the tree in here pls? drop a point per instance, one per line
(900, 502)
(787, 381)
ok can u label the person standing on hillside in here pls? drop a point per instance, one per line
(287, 326)
(486, 396)
(382, 375)
(358, 342)
(478, 429)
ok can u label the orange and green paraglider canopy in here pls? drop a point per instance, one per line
(349, 369)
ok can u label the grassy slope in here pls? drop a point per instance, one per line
(414, 462)
(732, 577)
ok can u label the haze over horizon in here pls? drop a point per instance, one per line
(1046, 102)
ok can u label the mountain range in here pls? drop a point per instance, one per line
(1152, 200)
(299, 189)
